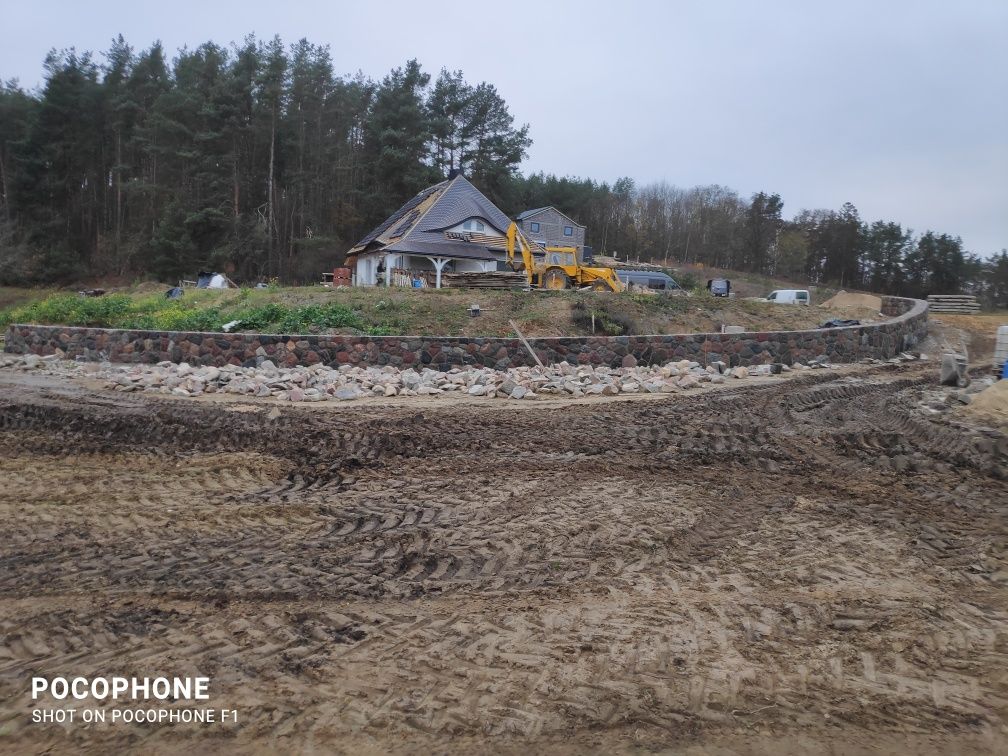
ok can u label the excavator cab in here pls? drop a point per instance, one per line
(564, 258)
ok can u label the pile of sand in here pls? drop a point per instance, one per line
(992, 402)
(846, 299)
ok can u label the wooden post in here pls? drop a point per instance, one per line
(527, 346)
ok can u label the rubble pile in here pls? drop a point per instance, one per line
(346, 382)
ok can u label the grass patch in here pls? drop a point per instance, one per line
(402, 312)
(190, 313)
(71, 309)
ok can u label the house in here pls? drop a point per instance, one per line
(549, 226)
(448, 227)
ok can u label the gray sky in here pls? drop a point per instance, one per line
(898, 107)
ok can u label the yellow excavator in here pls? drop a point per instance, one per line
(559, 268)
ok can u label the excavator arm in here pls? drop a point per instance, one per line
(516, 239)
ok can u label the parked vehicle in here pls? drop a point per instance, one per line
(719, 287)
(646, 279)
(790, 296)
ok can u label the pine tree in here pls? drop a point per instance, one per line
(396, 140)
(763, 223)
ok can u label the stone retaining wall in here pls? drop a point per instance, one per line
(882, 340)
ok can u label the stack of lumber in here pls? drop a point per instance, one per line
(605, 261)
(953, 303)
(490, 280)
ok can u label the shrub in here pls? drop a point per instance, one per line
(687, 281)
(175, 316)
(156, 313)
(261, 318)
(73, 309)
(331, 315)
(606, 323)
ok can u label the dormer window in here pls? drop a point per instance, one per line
(474, 225)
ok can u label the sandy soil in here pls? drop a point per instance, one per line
(854, 299)
(782, 567)
(978, 332)
(991, 404)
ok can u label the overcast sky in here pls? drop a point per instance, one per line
(898, 107)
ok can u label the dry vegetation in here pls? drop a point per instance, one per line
(393, 311)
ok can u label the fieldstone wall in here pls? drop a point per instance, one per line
(882, 340)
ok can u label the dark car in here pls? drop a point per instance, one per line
(719, 287)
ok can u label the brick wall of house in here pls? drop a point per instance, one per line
(551, 226)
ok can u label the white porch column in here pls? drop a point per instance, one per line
(388, 268)
(439, 263)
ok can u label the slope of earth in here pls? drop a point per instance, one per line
(977, 333)
(795, 567)
(395, 311)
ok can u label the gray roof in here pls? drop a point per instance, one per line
(529, 213)
(460, 201)
(402, 214)
(419, 225)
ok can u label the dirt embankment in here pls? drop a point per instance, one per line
(977, 333)
(854, 300)
(395, 311)
(803, 566)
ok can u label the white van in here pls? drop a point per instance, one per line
(789, 296)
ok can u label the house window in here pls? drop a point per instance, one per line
(568, 231)
(534, 228)
(474, 225)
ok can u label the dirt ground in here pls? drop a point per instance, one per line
(815, 564)
(978, 332)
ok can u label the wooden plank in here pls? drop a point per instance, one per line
(527, 346)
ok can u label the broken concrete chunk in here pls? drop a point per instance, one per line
(410, 379)
(953, 370)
